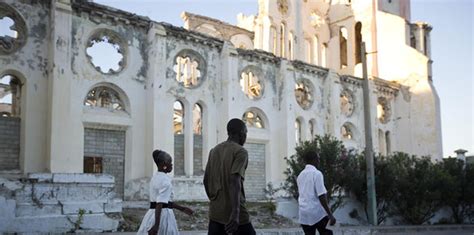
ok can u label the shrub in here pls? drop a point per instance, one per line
(384, 184)
(417, 196)
(270, 192)
(333, 164)
(457, 188)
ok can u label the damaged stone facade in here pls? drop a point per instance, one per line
(59, 203)
(66, 98)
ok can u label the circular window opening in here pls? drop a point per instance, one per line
(251, 85)
(190, 69)
(347, 104)
(12, 30)
(304, 94)
(106, 52)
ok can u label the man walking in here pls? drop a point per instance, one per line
(223, 181)
(314, 212)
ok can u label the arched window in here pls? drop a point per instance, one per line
(251, 84)
(197, 119)
(10, 96)
(383, 110)
(291, 45)
(312, 128)
(198, 138)
(324, 55)
(282, 39)
(274, 37)
(179, 138)
(387, 142)
(347, 132)
(343, 46)
(11, 123)
(304, 93)
(253, 119)
(382, 144)
(358, 42)
(190, 68)
(307, 49)
(178, 118)
(316, 50)
(104, 97)
(298, 131)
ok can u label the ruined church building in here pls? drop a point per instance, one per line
(290, 72)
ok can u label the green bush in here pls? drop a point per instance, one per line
(415, 188)
(333, 165)
(410, 187)
(384, 184)
(418, 196)
(457, 189)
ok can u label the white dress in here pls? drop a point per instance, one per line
(160, 191)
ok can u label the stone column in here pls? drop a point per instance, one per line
(64, 155)
(298, 38)
(188, 140)
(159, 119)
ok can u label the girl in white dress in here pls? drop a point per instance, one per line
(159, 219)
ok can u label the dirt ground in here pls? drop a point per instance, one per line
(260, 215)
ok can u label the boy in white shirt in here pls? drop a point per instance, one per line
(314, 212)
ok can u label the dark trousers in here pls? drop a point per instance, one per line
(320, 226)
(219, 229)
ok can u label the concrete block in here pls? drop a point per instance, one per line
(113, 206)
(44, 193)
(31, 209)
(82, 178)
(84, 193)
(34, 224)
(41, 177)
(138, 189)
(100, 222)
(7, 209)
(287, 208)
(189, 189)
(24, 195)
(10, 185)
(89, 207)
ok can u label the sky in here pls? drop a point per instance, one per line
(451, 40)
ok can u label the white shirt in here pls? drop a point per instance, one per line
(310, 187)
(161, 189)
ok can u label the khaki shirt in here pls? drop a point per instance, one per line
(225, 159)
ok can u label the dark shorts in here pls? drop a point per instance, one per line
(320, 226)
(219, 229)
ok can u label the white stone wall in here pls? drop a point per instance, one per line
(54, 116)
(59, 203)
(30, 64)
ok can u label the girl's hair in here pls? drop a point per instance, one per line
(158, 157)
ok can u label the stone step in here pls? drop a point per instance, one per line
(11, 174)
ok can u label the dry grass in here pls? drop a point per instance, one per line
(260, 215)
